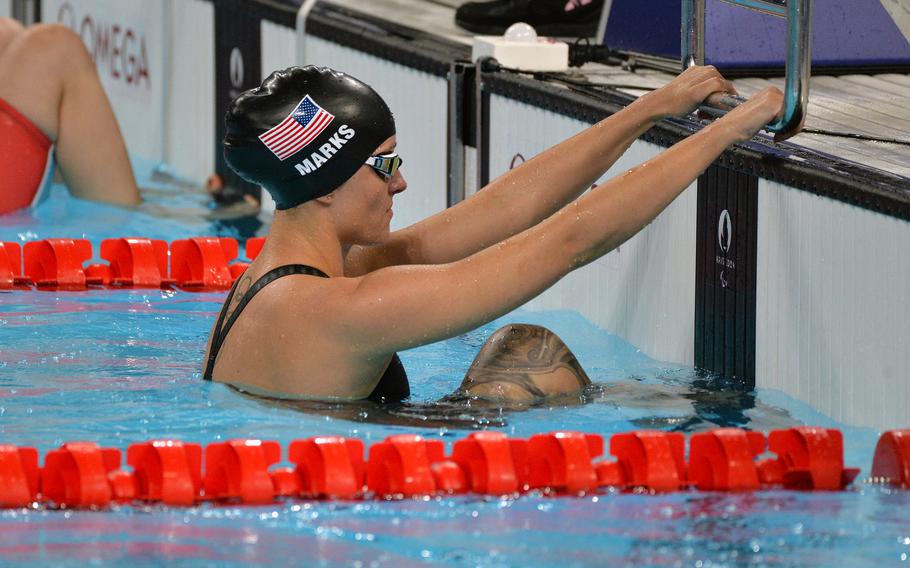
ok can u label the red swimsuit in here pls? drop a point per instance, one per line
(26, 160)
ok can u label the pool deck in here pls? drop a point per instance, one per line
(871, 105)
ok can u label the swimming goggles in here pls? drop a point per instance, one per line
(386, 165)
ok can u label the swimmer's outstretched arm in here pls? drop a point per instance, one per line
(404, 306)
(538, 188)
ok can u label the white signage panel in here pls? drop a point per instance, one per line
(128, 41)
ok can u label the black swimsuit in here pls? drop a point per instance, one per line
(392, 387)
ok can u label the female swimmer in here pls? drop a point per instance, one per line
(334, 295)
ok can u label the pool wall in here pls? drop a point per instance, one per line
(777, 269)
(779, 275)
(643, 291)
(833, 305)
(190, 117)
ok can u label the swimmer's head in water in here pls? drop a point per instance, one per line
(304, 132)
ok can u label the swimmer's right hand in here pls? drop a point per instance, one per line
(747, 119)
(683, 94)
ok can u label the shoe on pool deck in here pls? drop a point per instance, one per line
(549, 17)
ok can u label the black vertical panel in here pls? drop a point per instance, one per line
(482, 123)
(237, 68)
(710, 208)
(483, 134)
(462, 126)
(711, 315)
(725, 274)
(722, 281)
(741, 228)
(746, 237)
(470, 99)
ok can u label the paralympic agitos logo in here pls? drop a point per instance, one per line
(118, 50)
(724, 242)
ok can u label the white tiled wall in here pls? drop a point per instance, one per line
(645, 290)
(833, 303)
(190, 111)
(279, 47)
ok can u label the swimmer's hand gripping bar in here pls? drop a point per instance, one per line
(798, 14)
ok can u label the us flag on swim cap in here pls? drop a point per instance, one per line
(299, 128)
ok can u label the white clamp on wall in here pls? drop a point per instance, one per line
(520, 48)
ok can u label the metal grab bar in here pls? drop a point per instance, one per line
(773, 7)
(798, 14)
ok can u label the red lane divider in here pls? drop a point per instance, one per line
(124, 487)
(724, 459)
(562, 461)
(892, 458)
(57, 263)
(254, 247)
(82, 474)
(647, 459)
(807, 458)
(449, 477)
(10, 265)
(493, 464)
(401, 466)
(202, 262)
(329, 466)
(76, 475)
(196, 264)
(238, 469)
(166, 470)
(136, 262)
(285, 482)
(18, 476)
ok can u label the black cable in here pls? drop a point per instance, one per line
(583, 51)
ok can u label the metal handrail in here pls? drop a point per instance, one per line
(798, 14)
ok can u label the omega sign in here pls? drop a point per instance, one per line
(724, 241)
(118, 50)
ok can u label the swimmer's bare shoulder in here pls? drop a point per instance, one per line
(289, 342)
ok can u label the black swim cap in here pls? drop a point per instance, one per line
(304, 132)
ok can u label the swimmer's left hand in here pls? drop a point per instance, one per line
(683, 94)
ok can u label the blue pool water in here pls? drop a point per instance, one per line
(119, 367)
